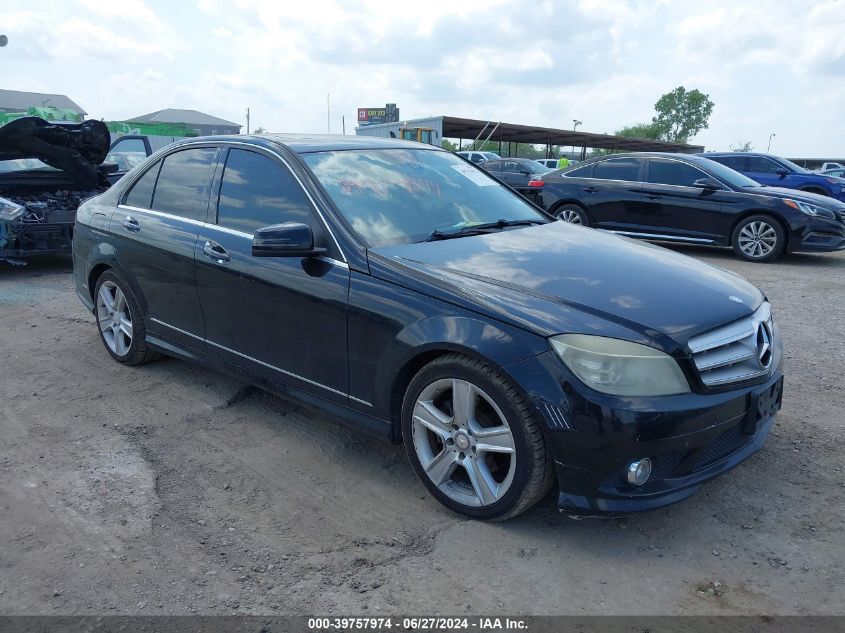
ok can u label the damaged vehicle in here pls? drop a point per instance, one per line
(46, 170)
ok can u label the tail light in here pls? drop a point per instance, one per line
(535, 183)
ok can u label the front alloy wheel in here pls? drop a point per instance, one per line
(759, 239)
(473, 440)
(463, 442)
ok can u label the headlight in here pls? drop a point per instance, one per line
(620, 367)
(9, 210)
(810, 209)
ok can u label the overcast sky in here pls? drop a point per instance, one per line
(773, 66)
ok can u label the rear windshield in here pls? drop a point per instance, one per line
(395, 196)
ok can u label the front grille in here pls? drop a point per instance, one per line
(736, 352)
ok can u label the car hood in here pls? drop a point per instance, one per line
(75, 148)
(796, 194)
(558, 278)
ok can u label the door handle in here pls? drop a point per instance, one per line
(215, 252)
(131, 224)
(590, 190)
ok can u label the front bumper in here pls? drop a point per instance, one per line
(689, 438)
(819, 235)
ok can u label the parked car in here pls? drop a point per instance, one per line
(551, 163)
(779, 172)
(683, 198)
(46, 170)
(129, 150)
(479, 157)
(828, 166)
(836, 172)
(397, 287)
(522, 174)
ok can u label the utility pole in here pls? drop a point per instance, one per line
(329, 112)
(769, 146)
(343, 122)
(247, 120)
(575, 124)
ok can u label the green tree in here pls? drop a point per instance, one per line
(447, 144)
(682, 114)
(642, 130)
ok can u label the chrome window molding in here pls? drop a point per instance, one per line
(261, 362)
(659, 236)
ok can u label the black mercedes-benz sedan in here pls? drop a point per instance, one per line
(399, 288)
(692, 199)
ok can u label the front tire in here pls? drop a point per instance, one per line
(759, 238)
(473, 439)
(120, 322)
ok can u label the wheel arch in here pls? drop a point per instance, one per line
(564, 201)
(818, 189)
(425, 354)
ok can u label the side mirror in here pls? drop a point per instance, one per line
(707, 183)
(291, 239)
(782, 171)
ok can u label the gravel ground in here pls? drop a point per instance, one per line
(167, 489)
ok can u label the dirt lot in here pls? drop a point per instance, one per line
(167, 489)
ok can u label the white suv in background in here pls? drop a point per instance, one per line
(479, 157)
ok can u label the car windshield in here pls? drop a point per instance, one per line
(728, 175)
(396, 196)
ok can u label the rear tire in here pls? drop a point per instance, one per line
(474, 440)
(759, 238)
(121, 324)
(573, 214)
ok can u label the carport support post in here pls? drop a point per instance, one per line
(584, 151)
(460, 143)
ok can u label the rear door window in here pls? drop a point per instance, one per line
(513, 166)
(673, 172)
(141, 193)
(618, 169)
(762, 165)
(492, 165)
(184, 183)
(256, 191)
(580, 172)
(737, 163)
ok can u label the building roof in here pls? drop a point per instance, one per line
(188, 117)
(456, 127)
(18, 101)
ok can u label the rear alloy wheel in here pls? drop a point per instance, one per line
(473, 441)
(120, 322)
(759, 238)
(573, 214)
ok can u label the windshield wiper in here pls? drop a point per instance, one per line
(478, 229)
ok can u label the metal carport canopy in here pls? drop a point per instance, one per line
(454, 127)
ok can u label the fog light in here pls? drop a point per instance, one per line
(639, 471)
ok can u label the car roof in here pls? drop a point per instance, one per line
(306, 143)
(693, 158)
(737, 154)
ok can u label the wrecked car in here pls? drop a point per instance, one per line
(46, 170)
